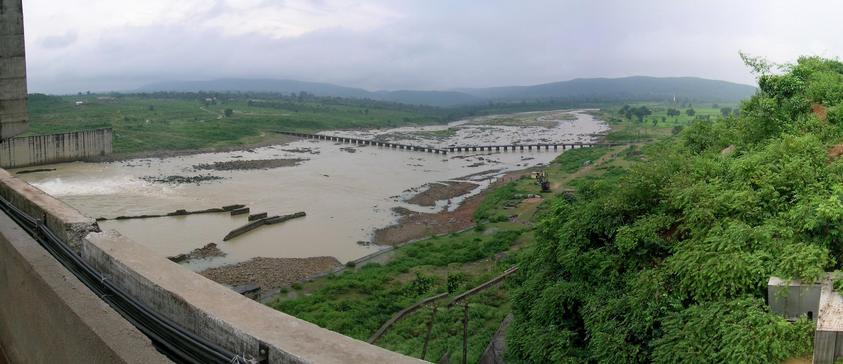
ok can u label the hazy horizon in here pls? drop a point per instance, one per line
(387, 45)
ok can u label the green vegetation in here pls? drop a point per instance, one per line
(165, 121)
(358, 302)
(162, 122)
(667, 260)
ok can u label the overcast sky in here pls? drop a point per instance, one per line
(101, 45)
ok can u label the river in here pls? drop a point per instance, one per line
(347, 191)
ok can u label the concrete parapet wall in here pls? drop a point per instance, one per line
(49, 316)
(55, 148)
(68, 223)
(220, 314)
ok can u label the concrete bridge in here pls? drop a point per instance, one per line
(450, 149)
(356, 141)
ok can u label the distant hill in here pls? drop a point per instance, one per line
(637, 88)
(641, 88)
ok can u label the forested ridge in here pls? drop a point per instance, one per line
(668, 263)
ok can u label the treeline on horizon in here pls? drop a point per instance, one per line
(305, 101)
(668, 263)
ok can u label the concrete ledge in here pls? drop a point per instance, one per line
(68, 223)
(49, 316)
(220, 314)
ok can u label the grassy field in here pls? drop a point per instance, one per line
(148, 123)
(658, 124)
(159, 124)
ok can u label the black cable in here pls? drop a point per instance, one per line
(168, 337)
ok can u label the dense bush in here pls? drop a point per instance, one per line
(668, 264)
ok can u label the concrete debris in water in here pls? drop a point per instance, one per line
(207, 251)
(27, 171)
(240, 211)
(233, 207)
(180, 212)
(249, 164)
(257, 216)
(258, 223)
(181, 179)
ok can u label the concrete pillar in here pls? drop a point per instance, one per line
(13, 114)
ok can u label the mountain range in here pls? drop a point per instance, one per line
(580, 90)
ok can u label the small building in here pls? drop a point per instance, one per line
(792, 298)
(818, 301)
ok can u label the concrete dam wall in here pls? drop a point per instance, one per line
(55, 148)
(13, 115)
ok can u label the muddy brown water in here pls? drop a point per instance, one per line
(346, 195)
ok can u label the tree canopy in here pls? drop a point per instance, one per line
(668, 263)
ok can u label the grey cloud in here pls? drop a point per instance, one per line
(59, 41)
(441, 45)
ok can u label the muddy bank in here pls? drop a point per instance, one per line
(439, 191)
(416, 225)
(270, 273)
(208, 251)
(249, 164)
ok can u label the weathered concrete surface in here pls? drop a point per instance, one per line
(68, 223)
(54, 148)
(494, 353)
(220, 314)
(828, 339)
(49, 316)
(792, 298)
(13, 114)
